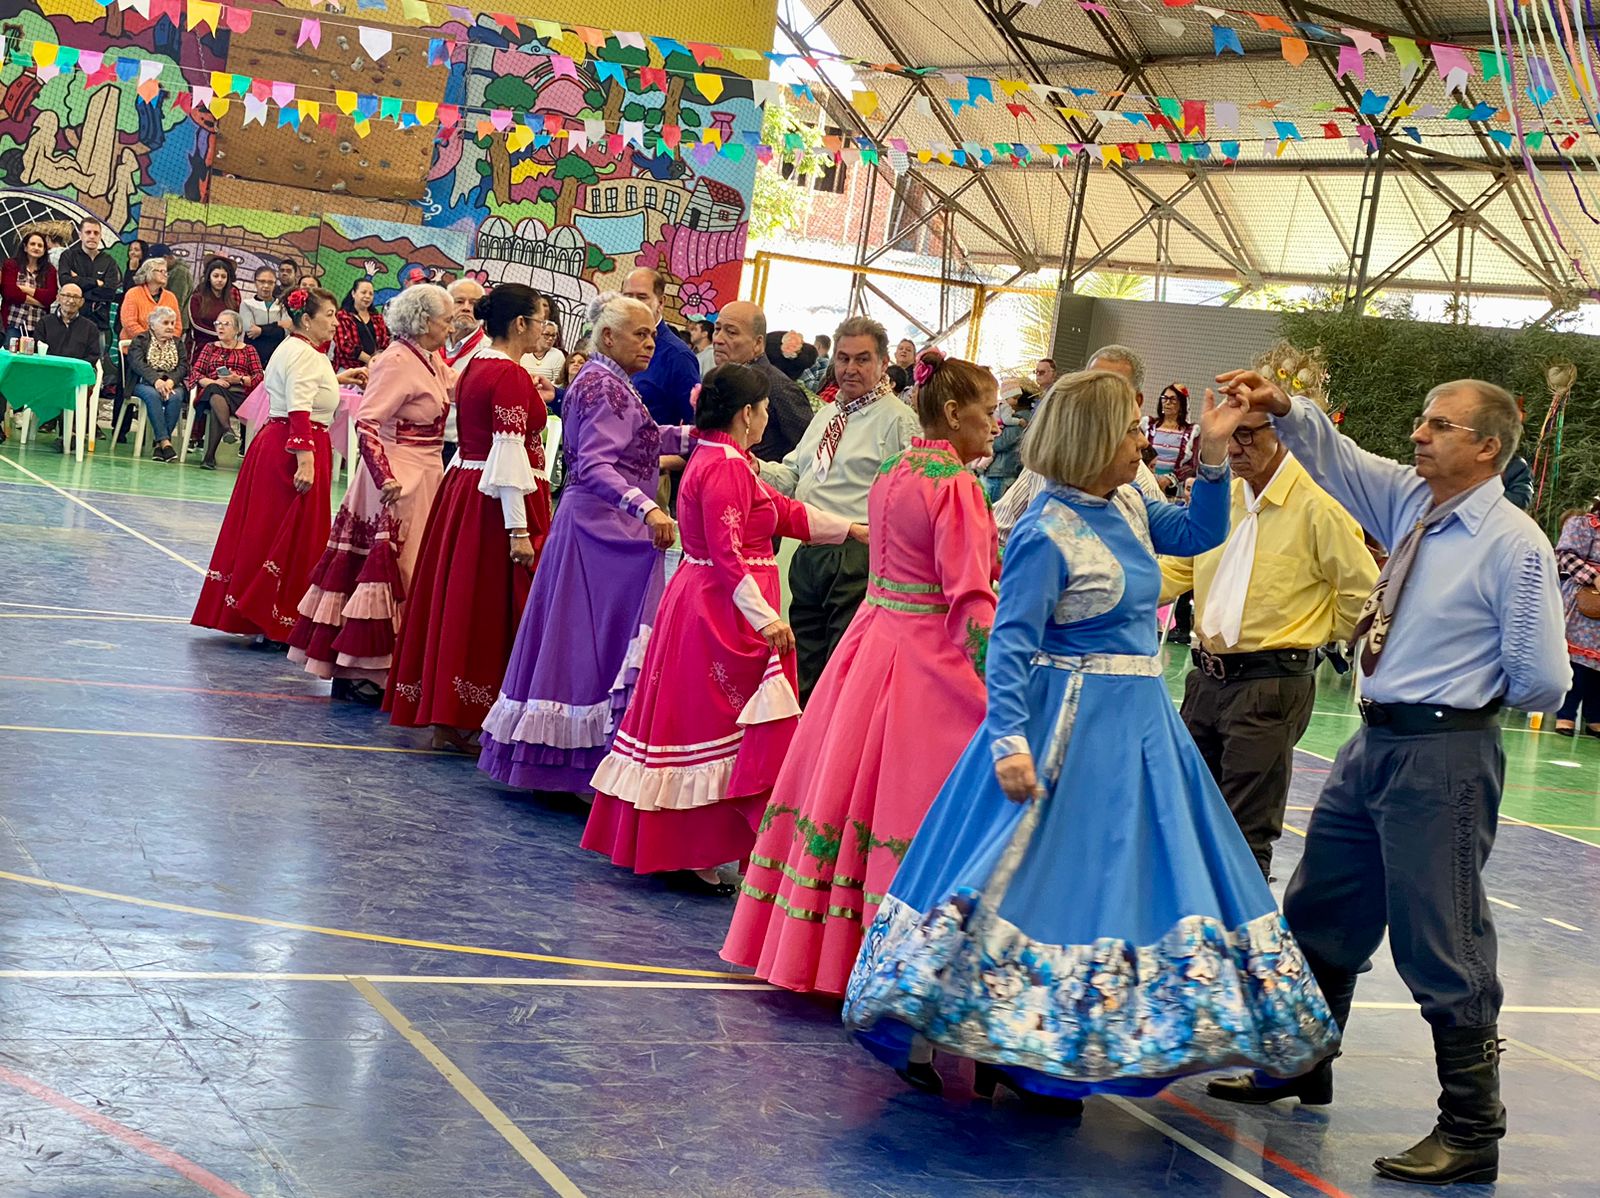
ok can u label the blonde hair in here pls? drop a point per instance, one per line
(1079, 426)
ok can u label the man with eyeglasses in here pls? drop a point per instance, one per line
(1291, 578)
(1466, 618)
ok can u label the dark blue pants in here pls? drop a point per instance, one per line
(163, 413)
(1399, 839)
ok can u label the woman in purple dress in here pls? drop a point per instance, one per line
(584, 631)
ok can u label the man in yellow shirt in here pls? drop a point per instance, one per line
(1291, 578)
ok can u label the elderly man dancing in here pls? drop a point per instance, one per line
(1466, 618)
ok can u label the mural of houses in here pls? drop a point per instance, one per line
(713, 207)
(620, 215)
(551, 261)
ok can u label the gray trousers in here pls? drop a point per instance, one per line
(1399, 839)
(1247, 732)
(826, 585)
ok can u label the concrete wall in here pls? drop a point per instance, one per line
(1180, 343)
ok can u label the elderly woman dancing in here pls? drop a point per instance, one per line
(351, 609)
(1078, 920)
(594, 599)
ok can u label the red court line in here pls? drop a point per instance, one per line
(181, 1165)
(1299, 1172)
(152, 686)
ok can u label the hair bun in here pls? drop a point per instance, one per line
(599, 304)
(480, 307)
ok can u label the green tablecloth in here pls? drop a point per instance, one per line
(47, 384)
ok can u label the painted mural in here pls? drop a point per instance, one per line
(402, 202)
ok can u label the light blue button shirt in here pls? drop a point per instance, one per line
(1480, 617)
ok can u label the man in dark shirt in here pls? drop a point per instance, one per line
(69, 335)
(95, 272)
(742, 338)
(674, 371)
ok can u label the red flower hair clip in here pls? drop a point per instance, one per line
(927, 366)
(297, 300)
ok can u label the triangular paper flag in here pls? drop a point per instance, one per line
(1493, 65)
(710, 86)
(427, 110)
(1225, 114)
(1294, 50)
(1365, 43)
(219, 107)
(310, 31)
(519, 138)
(1224, 37)
(346, 101)
(310, 110)
(237, 19)
(630, 41)
(866, 103)
(1269, 24)
(376, 42)
(204, 12)
(363, 128)
(1172, 28)
(149, 71)
(1351, 63)
(283, 94)
(255, 109)
(1451, 62)
(221, 82)
(1410, 58)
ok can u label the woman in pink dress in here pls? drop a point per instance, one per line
(898, 703)
(351, 610)
(709, 722)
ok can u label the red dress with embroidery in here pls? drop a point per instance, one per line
(711, 716)
(350, 612)
(467, 594)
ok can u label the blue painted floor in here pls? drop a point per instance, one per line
(167, 778)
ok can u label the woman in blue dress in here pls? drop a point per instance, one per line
(1079, 912)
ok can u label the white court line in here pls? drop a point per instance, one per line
(397, 979)
(93, 611)
(122, 494)
(1499, 902)
(1200, 1150)
(1561, 923)
(1411, 1006)
(115, 523)
(1550, 1056)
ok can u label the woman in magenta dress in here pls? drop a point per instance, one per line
(589, 615)
(706, 731)
(900, 699)
(483, 537)
(351, 609)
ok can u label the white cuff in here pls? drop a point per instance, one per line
(513, 507)
(752, 605)
(826, 528)
(507, 466)
(1009, 746)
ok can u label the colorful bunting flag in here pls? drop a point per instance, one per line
(376, 42)
(310, 31)
(1294, 50)
(1224, 37)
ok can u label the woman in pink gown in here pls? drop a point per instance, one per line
(898, 703)
(350, 613)
(709, 722)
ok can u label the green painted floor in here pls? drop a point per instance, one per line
(1552, 781)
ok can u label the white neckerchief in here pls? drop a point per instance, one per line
(1224, 610)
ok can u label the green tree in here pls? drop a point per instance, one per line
(1119, 286)
(779, 203)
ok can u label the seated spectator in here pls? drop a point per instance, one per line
(157, 367)
(546, 360)
(223, 375)
(28, 286)
(67, 331)
(361, 334)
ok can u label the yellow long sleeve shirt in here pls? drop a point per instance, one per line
(1312, 571)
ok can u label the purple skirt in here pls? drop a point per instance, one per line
(578, 649)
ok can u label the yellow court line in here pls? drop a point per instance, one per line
(395, 979)
(229, 740)
(370, 937)
(546, 1168)
(92, 611)
(1551, 1057)
(115, 523)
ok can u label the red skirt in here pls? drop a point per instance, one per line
(466, 601)
(652, 842)
(271, 538)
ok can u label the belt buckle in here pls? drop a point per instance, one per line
(1373, 715)
(1213, 666)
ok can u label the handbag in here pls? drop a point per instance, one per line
(1588, 600)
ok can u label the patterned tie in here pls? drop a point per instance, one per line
(834, 433)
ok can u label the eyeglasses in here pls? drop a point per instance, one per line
(1246, 437)
(1438, 424)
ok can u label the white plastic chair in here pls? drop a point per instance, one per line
(143, 423)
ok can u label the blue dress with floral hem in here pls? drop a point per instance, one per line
(1117, 933)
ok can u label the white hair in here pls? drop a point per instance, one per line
(1120, 353)
(409, 312)
(465, 283)
(161, 315)
(231, 315)
(612, 310)
(142, 275)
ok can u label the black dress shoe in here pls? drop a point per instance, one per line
(1432, 1162)
(923, 1076)
(687, 879)
(1312, 1089)
(986, 1079)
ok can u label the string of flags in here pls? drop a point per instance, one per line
(299, 105)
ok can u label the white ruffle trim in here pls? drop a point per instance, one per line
(774, 700)
(665, 788)
(632, 660)
(546, 722)
(507, 466)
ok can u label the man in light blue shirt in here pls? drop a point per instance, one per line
(1466, 617)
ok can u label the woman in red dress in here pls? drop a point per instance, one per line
(708, 724)
(277, 520)
(482, 540)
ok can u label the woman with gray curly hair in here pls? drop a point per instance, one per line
(566, 687)
(157, 366)
(351, 611)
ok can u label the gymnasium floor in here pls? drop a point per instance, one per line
(257, 944)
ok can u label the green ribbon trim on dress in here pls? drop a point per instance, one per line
(915, 609)
(905, 588)
(778, 901)
(800, 879)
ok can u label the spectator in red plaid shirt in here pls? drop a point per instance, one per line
(361, 335)
(223, 374)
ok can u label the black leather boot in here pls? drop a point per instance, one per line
(1465, 1146)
